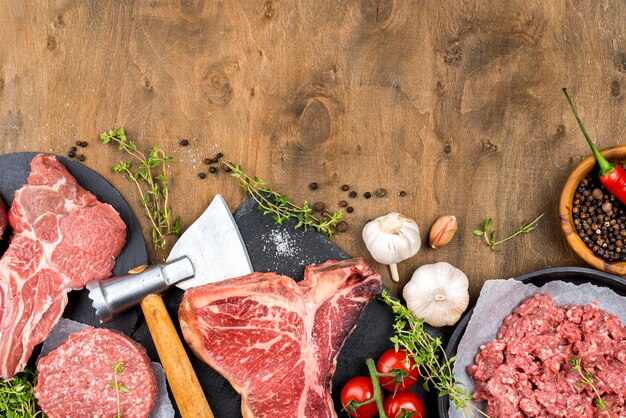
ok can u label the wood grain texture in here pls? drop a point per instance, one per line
(456, 102)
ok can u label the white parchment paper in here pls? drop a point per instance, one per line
(162, 405)
(498, 299)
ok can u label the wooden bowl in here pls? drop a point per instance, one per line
(565, 211)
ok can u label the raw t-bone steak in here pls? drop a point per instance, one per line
(63, 237)
(275, 340)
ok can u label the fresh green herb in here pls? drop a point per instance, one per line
(279, 206)
(429, 355)
(118, 368)
(150, 177)
(489, 235)
(587, 379)
(17, 396)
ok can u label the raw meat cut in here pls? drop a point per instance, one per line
(77, 379)
(3, 217)
(63, 237)
(275, 340)
(526, 371)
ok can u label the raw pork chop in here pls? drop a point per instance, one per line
(62, 238)
(89, 357)
(3, 217)
(275, 340)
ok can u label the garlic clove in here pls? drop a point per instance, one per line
(442, 231)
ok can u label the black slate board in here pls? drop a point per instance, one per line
(286, 250)
(14, 171)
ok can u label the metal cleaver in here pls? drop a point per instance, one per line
(210, 250)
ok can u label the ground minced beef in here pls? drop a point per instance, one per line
(526, 371)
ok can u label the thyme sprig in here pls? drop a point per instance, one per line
(587, 379)
(150, 178)
(429, 355)
(17, 396)
(118, 368)
(489, 235)
(279, 206)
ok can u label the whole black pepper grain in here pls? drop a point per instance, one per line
(319, 206)
(599, 219)
(73, 149)
(84, 144)
(343, 203)
(226, 168)
(345, 187)
(202, 176)
(78, 143)
(349, 209)
(313, 186)
(367, 195)
(342, 226)
(218, 156)
(81, 157)
(352, 194)
(71, 154)
(207, 161)
(402, 193)
(184, 142)
(381, 192)
(212, 170)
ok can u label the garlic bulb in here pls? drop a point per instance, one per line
(438, 293)
(391, 239)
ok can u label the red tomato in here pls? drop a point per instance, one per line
(407, 372)
(359, 389)
(404, 404)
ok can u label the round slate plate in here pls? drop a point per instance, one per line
(286, 250)
(575, 275)
(14, 171)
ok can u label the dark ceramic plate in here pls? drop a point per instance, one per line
(14, 171)
(576, 275)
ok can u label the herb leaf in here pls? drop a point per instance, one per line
(118, 368)
(17, 396)
(489, 235)
(150, 177)
(279, 206)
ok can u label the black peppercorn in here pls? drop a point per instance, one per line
(345, 187)
(184, 142)
(207, 161)
(349, 209)
(343, 204)
(367, 195)
(319, 206)
(381, 192)
(342, 226)
(218, 156)
(313, 186)
(73, 149)
(352, 194)
(78, 143)
(213, 170)
(84, 144)
(402, 193)
(71, 154)
(202, 175)
(226, 168)
(81, 157)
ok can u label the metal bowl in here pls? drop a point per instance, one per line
(576, 275)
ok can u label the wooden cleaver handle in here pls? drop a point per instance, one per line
(180, 374)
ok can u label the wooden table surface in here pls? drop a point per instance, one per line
(458, 103)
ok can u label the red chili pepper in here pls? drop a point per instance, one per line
(612, 176)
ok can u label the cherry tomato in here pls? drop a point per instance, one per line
(404, 404)
(408, 373)
(359, 389)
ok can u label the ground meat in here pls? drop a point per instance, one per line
(77, 379)
(526, 371)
